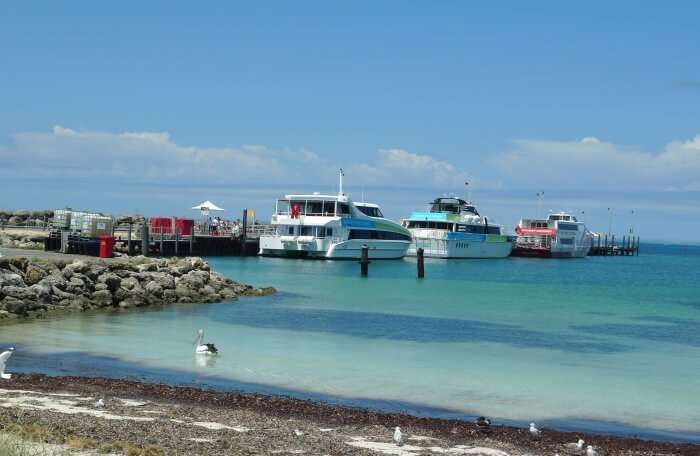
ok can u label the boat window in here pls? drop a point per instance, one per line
(329, 232)
(298, 206)
(475, 229)
(439, 225)
(567, 226)
(566, 241)
(306, 230)
(344, 209)
(380, 235)
(329, 208)
(417, 224)
(314, 208)
(370, 211)
(283, 207)
(494, 229)
(288, 230)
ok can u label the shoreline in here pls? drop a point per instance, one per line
(370, 426)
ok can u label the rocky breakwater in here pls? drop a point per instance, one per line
(38, 287)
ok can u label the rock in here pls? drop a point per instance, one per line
(54, 281)
(153, 288)
(20, 263)
(169, 296)
(101, 287)
(166, 282)
(228, 294)
(120, 295)
(78, 267)
(34, 274)
(130, 283)
(112, 281)
(19, 292)
(8, 278)
(42, 293)
(102, 298)
(14, 305)
(147, 267)
(182, 291)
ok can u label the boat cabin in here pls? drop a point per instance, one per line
(453, 206)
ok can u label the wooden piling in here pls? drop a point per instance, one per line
(364, 260)
(144, 240)
(129, 246)
(637, 249)
(421, 263)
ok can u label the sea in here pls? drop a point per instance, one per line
(602, 344)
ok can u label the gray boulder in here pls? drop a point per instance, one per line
(112, 281)
(8, 278)
(34, 274)
(153, 288)
(102, 298)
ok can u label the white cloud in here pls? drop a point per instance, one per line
(155, 157)
(598, 165)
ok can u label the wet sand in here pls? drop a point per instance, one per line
(184, 421)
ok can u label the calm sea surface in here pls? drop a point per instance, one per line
(605, 344)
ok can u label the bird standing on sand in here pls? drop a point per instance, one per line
(4, 356)
(398, 437)
(100, 403)
(201, 347)
(483, 424)
(576, 448)
(590, 451)
(534, 432)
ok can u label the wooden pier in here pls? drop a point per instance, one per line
(607, 247)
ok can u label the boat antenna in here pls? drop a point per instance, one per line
(540, 195)
(469, 192)
(340, 179)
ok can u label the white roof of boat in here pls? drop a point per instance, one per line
(316, 197)
(365, 204)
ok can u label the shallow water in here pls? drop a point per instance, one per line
(608, 344)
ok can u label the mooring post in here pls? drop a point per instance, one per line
(364, 260)
(129, 247)
(606, 245)
(623, 247)
(191, 239)
(177, 241)
(612, 245)
(637, 249)
(144, 239)
(162, 251)
(421, 263)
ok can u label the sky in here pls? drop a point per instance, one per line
(156, 106)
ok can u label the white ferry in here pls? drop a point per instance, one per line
(453, 228)
(558, 236)
(333, 227)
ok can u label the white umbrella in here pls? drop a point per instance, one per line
(207, 206)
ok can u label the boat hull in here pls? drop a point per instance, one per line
(442, 248)
(326, 249)
(528, 252)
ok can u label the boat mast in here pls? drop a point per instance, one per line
(340, 185)
(469, 192)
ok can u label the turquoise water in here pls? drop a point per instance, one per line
(607, 344)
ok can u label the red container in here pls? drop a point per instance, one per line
(107, 246)
(184, 226)
(161, 225)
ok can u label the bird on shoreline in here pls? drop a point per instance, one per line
(575, 448)
(590, 451)
(201, 347)
(534, 432)
(100, 403)
(483, 424)
(4, 356)
(398, 437)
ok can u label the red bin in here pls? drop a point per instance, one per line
(107, 246)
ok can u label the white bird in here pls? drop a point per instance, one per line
(590, 451)
(298, 433)
(100, 403)
(4, 356)
(201, 347)
(398, 437)
(575, 447)
(534, 432)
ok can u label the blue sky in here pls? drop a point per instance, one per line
(153, 106)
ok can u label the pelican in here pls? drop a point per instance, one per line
(201, 347)
(4, 356)
(575, 447)
(590, 451)
(534, 432)
(398, 437)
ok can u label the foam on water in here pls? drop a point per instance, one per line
(613, 341)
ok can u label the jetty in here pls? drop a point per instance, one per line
(605, 246)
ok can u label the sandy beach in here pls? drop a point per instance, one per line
(152, 419)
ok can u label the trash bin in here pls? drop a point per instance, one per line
(107, 246)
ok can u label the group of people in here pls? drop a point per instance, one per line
(220, 227)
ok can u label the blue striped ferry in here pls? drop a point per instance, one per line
(453, 228)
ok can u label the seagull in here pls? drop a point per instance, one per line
(590, 451)
(575, 447)
(4, 356)
(398, 437)
(100, 403)
(298, 433)
(534, 432)
(202, 348)
(483, 424)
